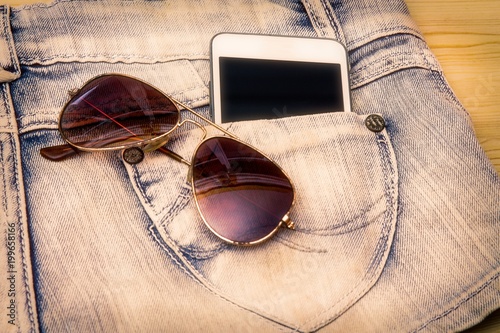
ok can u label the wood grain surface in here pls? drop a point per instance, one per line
(465, 37)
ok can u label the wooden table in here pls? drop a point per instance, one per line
(465, 37)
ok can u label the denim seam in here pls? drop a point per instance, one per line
(313, 17)
(9, 39)
(444, 87)
(4, 180)
(298, 247)
(199, 278)
(176, 207)
(179, 204)
(5, 98)
(9, 107)
(42, 5)
(22, 240)
(460, 303)
(385, 58)
(386, 32)
(196, 254)
(182, 200)
(330, 14)
(140, 188)
(384, 241)
(160, 242)
(385, 70)
(111, 58)
(334, 229)
(324, 25)
(53, 4)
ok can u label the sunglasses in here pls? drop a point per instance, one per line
(242, 196)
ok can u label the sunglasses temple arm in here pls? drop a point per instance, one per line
(60, 152)
(204, 119)
(173, 155)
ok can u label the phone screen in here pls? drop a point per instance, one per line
(265, 89)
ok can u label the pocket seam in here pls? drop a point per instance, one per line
(385, 238)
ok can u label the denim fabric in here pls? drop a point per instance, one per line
(396, 230)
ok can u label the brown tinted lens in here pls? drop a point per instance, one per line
(115, 110)
(241, 194)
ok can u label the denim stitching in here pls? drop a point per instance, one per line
(141, 189)
(330, 14)
(298, 247)
(392, 31)
(23, 244)
(334, 230)
(385, 70)
(112, 58)
(196, 254)
(356, 83)
(447, 92)
(55, 3)
(385, 58)
(183, 199)
(36, 114)
(159, 241)
(4, 180)
(8, 38)
(12, 142)
(5, 98)
(382, 244)
(178, 205)
(209, 287)
(450, 310)
(314, 18)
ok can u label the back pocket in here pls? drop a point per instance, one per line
(345, 180)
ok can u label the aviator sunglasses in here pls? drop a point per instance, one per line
(242, 195)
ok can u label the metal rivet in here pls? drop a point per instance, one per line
(133, 155)
(375, 123)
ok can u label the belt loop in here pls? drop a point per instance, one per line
(324, 19)
(9, 64)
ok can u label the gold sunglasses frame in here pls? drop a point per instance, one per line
(158, 143)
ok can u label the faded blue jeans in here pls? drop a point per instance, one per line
(397, 230)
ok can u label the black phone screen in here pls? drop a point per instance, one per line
(265, 89)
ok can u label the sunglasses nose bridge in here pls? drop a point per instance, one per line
(196, 124)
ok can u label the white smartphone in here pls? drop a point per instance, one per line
(265, 77)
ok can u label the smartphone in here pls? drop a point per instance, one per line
(265, 77)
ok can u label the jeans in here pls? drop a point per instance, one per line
(396, 230)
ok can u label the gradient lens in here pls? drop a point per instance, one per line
(114, 111)
(241, 194)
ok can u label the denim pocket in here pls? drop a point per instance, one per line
(345, 211)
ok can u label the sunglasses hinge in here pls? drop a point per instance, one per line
(287, 222)
(73, 92)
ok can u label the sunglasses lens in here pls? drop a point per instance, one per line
(241, 194)
(115, 110)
